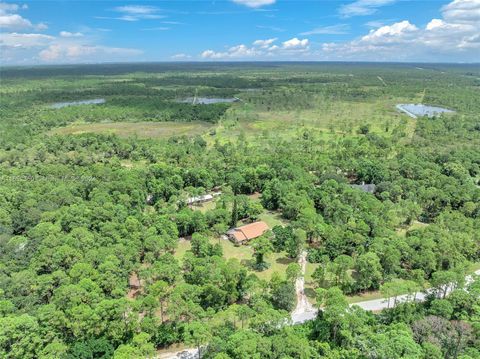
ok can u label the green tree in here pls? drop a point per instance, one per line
(261, 246)
(367, 271)
(197, 334)
(284, 296)
(294, 244)
(293, 271)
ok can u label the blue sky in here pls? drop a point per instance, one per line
(43, 32)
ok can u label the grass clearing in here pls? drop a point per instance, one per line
(309, 285)
(371, 295)
(160, 130)
(184, 245)
(473, 267)
(340, 118)
(402, 231)
(204, 207)
(272, 218)
(278, 262)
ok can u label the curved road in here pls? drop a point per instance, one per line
(304, 311)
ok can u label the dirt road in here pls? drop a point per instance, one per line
(304, 310)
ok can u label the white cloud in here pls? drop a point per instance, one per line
(375, 24)
(70, 34)
(209, 54)
(158, 28)
(65, 53)
(41, 26)
(8, 7)
(17, 40)
(10, 20)
(295, 44)
(289, 49)
(272, 28)
(254, 3)
(393, 33)
(181, 56)
(18, 46)
(363, 7)
(264, 43)
(136, 12)
(462, 11)
(137, 9)
(328, 30)
(455, 37)
(14, 22)
(238, 51)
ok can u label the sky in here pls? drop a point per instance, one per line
(63, 32)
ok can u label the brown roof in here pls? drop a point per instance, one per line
(249, 231)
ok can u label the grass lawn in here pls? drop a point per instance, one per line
(365, 296)
(309, 287)
(278, 262)
(140, 129)
(184, 245)
(272, 218)
(204, 207)
(474, 267)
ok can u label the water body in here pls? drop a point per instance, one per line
(208, 100)
(95, 101)
(419, 110)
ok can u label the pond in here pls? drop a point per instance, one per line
(208, 100)
(419, 110)
(95, 101)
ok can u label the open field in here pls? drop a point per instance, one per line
(158, 130)
(327, 119)
(323, 119)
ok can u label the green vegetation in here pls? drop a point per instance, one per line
(162, 130)
(101, 256)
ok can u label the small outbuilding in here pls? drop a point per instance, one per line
(203, 198)
(243, 234)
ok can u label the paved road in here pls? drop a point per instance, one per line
(305, 311)
(374, 305)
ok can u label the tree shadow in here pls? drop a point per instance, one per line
(252, 265)
(310, 292)
(284, 260)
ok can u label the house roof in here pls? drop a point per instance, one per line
(203, 198)
(249, 231)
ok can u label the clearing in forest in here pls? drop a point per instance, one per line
(140, 129)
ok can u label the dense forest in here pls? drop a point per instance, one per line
(102, 256)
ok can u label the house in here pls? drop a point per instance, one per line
(247, 232)
(199, 199)
(202, 198)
